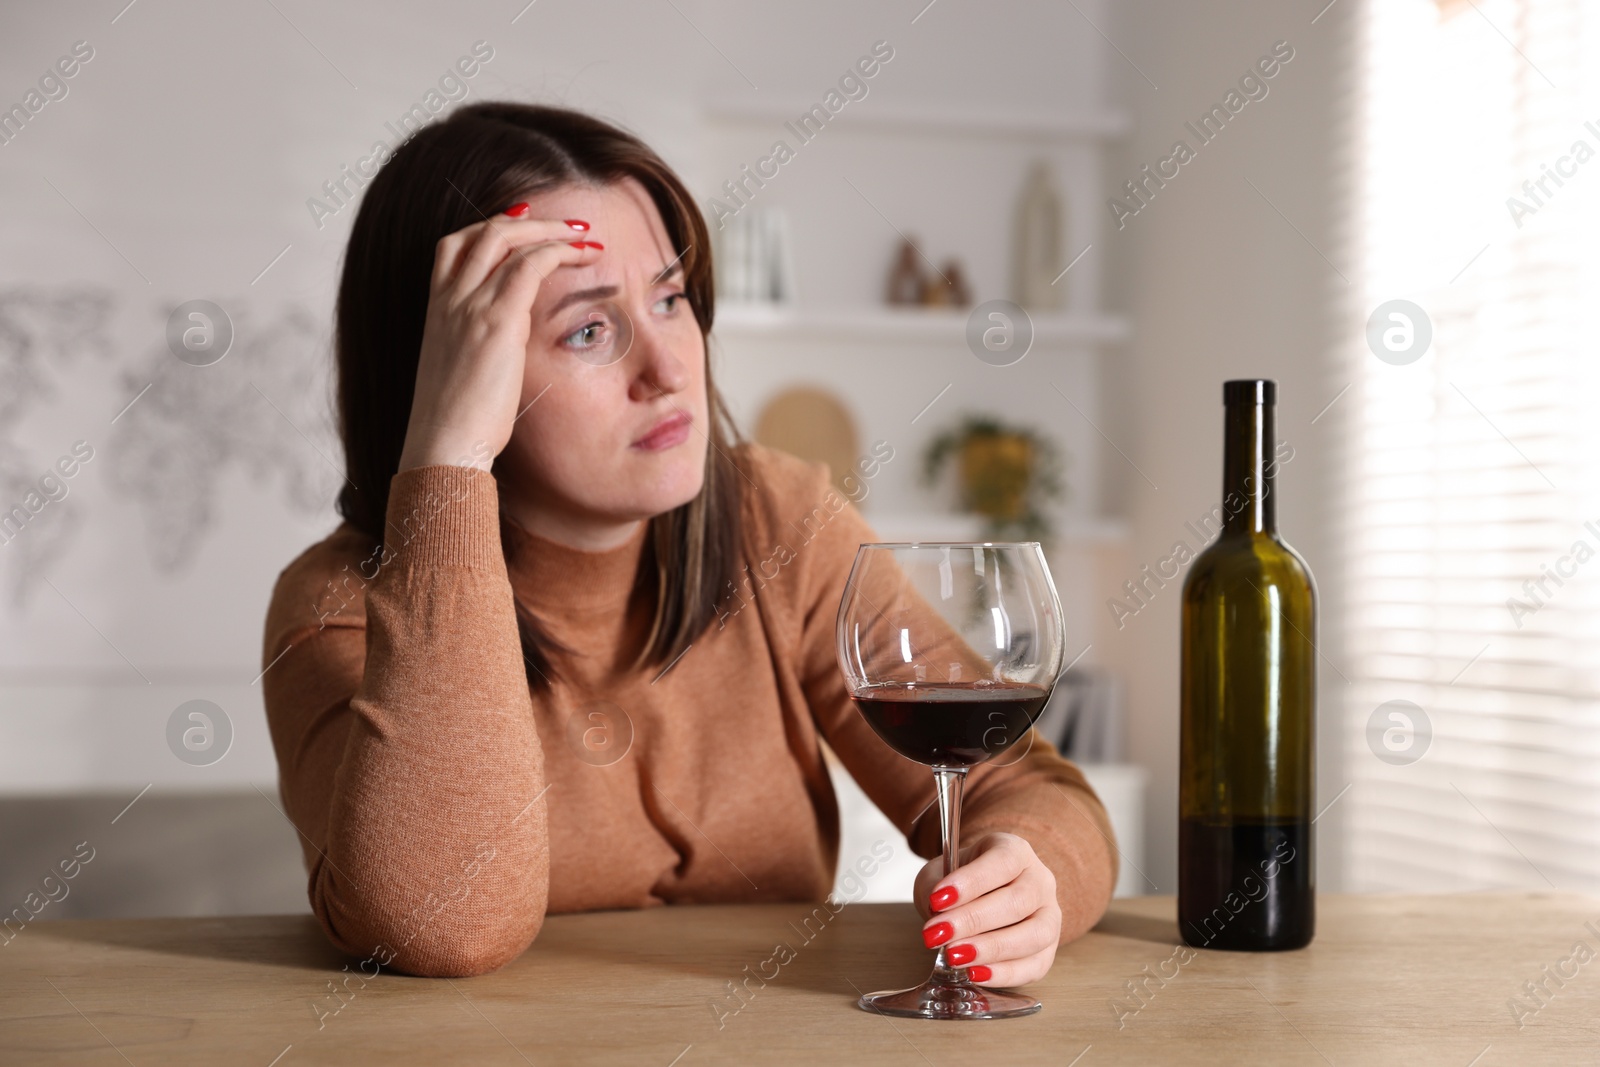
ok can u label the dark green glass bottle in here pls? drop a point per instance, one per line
(1247, 759)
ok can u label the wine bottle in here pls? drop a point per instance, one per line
(1247, 759)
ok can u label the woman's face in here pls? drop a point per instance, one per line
(615, 376)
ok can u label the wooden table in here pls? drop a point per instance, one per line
(1389, 979)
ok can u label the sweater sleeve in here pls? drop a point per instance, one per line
(1041, 796)
(407, 753)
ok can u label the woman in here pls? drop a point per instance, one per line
(532, 671)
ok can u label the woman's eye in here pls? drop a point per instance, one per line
(602, 337)
(669, 304)
(589, 335)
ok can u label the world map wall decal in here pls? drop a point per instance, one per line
(41, 331)
(185, 432)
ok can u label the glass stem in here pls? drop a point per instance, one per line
(947, 782)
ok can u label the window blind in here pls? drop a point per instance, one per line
(1470, 503)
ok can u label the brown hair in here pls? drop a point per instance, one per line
(458, 171)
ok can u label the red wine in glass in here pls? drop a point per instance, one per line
(955, 724)
(950, 651)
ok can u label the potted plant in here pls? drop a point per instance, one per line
(1010, 475)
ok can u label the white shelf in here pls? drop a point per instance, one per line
(924, 526)
(1093, 530)
(896, 324)
(1076, 531)
(941, 122)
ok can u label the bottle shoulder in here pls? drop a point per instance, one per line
(1265, 560)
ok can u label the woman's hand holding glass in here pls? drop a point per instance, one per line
(998, 911)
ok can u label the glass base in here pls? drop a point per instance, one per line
(949, 993)
(960, 999)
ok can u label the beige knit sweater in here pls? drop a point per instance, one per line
(444, 810)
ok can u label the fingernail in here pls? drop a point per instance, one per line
(942, 898)
(596, 245)
(517, 210)
(980, 973)
(938, 934)
(960, 955)
(576, 224)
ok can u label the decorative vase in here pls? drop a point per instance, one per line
(995, 472)
(1040, 241)
(905, 284)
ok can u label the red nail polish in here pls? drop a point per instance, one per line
(579, 244)
(596, 245)
(577, 224)
(517, 210)
(980, 973)
(938, 934)
(942, 898)
(960, 955)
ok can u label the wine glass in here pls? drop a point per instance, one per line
(950, 651)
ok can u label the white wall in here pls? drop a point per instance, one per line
(1220, 285)
(179, 166)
